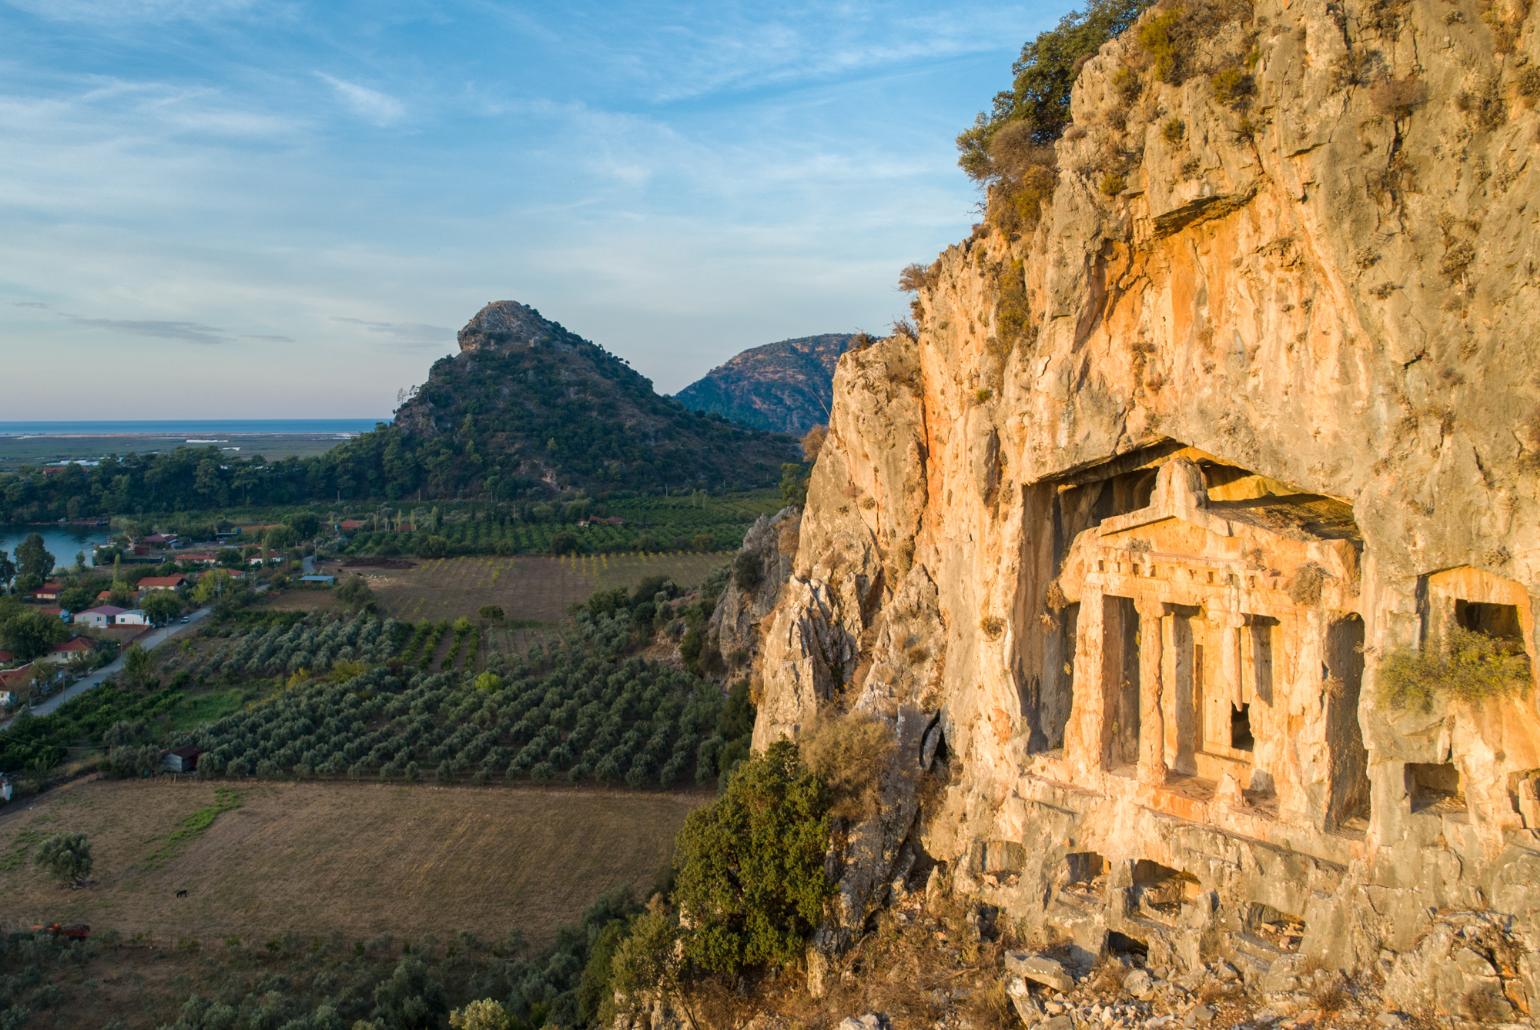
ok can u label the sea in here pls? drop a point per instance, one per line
(64, 542)
(194, 428)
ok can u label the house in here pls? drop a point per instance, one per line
(199, 558)
(159, 540)
(150, 583)
(319, 580)
(57, 612)
(351, 525)
(99, 618)
(6, 658)
(601, 520)
(12, 680)
(132, 617)
(49, 591)
(181, 759)
(68, 650)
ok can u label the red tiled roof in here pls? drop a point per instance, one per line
(152, 582)
(76, 646)
(16, 677)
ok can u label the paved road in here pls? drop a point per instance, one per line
(149, 642)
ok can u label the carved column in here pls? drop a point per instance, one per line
(1152, 727)
(1221, 695)
(1179, 688)
(1083, 737)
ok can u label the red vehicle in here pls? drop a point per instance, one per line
(74, 932)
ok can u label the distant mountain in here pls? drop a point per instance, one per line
(783, 387)
(528, 407)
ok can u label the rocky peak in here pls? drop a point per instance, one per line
(505, 325)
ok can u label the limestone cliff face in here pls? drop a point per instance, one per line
(769, 548)
(1323, 302)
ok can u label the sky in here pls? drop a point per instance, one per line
(274, 208)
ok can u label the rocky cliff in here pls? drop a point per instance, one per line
(784, 387)
(1125, 541)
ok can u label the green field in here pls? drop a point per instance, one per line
(17, 452)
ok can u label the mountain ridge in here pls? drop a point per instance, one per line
(786, 386)
(528, 406)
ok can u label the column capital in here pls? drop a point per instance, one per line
(1224, 618)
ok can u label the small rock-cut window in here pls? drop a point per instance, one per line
(1280, 929)
(1162, 891)
(1240, 728)
(1435, 788)
(1123, 945)
(1494, 620)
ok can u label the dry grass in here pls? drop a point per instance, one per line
(356, 859)
(300, 600)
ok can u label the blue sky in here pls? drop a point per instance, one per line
(248, 208)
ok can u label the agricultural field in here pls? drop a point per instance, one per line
(259, 860)
(686, 522)
(534, 593)
(22, 451)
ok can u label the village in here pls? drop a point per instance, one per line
(139, 586)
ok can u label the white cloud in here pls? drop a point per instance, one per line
(371, 105)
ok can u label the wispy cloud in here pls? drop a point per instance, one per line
(410, 334)
(371, 105)
(208, 180)
(187, 332)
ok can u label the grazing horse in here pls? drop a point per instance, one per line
(182, 893)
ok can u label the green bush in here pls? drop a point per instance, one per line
(66, 857)
(751, 879)
(1043, 77)
(748, 571)
(1160, 38)
(1465, 665)
(1233, 87)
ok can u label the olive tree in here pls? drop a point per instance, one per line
(67, 858)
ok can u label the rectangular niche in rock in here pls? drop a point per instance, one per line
(1435, 788)
(1160, 891)
(1085, 875)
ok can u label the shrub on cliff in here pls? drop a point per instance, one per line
(1465, 664)
(751, 882)
(850, 753)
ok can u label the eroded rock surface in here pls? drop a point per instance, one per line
(1139, 517)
